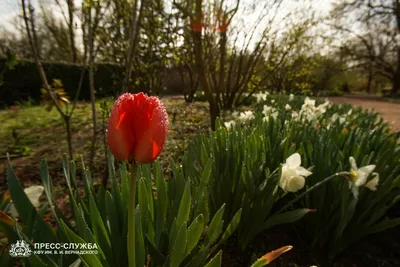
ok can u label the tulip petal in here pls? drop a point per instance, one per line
(120, 136)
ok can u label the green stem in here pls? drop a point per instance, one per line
(131, 217)
(310, 189)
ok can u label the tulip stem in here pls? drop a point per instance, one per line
(310, 189)
(131, 216)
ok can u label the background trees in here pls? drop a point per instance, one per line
(226, 49)
(374, 27)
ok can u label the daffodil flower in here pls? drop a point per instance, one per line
(293, 175)
(261, 96)
(274, 115)
(358, 177)
(291, 97)
(309, 104)
(246, 116)
(288, 107)
(229, 124)
(373, 183)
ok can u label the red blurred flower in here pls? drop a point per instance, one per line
(137, 127)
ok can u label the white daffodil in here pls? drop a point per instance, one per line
(293, 175)
(246, 116)
(295, 114)
(291, 97)
(261, 96)
(33, 192)
(359, 176)
(349, 112)
(273, 101)
(229, 124)
(334, 117)
(267, 110)
(274, 115)
(309, 104)
(320, 110)
(235, 114)
(373, 183)
(288, 107)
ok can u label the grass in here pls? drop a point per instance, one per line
(30, 133)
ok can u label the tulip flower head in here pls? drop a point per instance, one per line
(293, 175)
(137, 128)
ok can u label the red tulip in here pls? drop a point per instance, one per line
(137, 127)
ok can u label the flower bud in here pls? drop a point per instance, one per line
(137, 128)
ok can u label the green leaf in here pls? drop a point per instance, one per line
(114, 224)
(99, 230)
(27, 212)
(205, 176)
(143, 203)
(161, 203)
(179, 248)
(7, 227)
(384, 225)
(194, 233)
(139, 240)
(216, 225)
(87, 259)
(216, 261)
(232, 226)
(184, 207)
(286, 217)
(155, 254)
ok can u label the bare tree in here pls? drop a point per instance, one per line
(378, 23)
(133, 40)
(66, 114)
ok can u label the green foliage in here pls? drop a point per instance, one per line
(57, 89)
(10, 63)
(243, 172)
(325, 142)
(173, 226)
(108, 79)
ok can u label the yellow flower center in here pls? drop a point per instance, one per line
(353, 176)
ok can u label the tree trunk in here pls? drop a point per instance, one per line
(396, 77)
(67, 120)
(92, 90)
(369, 84)
(221, 89)
(396, 83)
(198, 51)
(70, 4)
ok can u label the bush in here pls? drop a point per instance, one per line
(23, 82)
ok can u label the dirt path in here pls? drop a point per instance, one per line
(388, 110)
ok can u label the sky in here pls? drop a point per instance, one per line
(10, 9)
